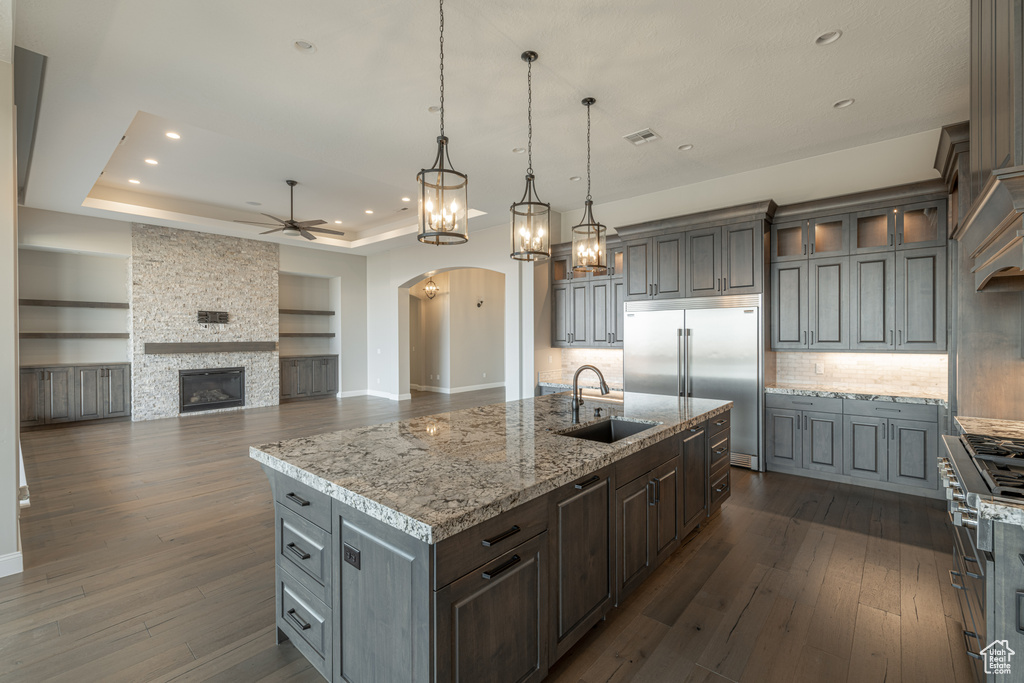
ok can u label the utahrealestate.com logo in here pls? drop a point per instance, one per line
(997, 657)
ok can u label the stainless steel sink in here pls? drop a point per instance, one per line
(610, 430)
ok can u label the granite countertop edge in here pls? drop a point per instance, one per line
(854, 394)
(432, 534)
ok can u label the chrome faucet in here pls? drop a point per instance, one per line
(577, 395)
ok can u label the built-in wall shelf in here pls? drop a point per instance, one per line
(306, 334)
(297, 311)
(73, 335)
(53, 303)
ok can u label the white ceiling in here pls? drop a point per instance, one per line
(742, 81)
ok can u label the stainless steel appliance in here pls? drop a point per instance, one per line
(704, 348)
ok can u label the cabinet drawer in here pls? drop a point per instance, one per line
(720, 491)
(642, 462)
(902, 411)
(720, 451)
(717, 425)
(815, 403)
(305, 550)
(303, 500)
(456, 556)
(305, 620)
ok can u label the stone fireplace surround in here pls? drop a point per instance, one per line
(173, 274)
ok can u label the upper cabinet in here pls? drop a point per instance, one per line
(586, 309)
(810, 238)
(655, 267)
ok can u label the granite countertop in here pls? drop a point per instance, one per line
(435, 476)
(1010, 429)
(895, 395)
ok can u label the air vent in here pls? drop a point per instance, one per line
(214, 317)
(642, 136)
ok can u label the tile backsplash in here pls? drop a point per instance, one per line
(608, 361)
(864, 370)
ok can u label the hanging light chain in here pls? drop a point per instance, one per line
(441, 6)
(588, 153)
(529, 116)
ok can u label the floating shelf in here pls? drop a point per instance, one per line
(53, 303)
(305, 334)
(73, 335)
(208, 347)
(296, 311)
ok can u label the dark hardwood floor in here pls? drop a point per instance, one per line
(149, 557)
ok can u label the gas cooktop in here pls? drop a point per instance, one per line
(1000, 461)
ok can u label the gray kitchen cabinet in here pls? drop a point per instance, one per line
(102, 391)
(47, 395)
(492, 623)
(560, 307)
(655, 267)
(920, 299)
(823, 442)
(309, 376)
(289, 378)
(921, 225)
(617, 312)
(30, 392)
(695, 476)
(784, 440)
(873, 231)
(788, 241)
(873, 305)
(639, 274)
(666, 513)
(865, 447)
(913, 453)
(587, 312)
(804, 432)
(703, 262)
(616, 260)
(580, 313)
(599, 303)
(828, 237)
(325, 376)
(828, 303)
(789, 305)
(582, 557)
(743, 258)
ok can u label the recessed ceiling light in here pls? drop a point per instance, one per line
(828, 37)
(133, 181)
(305, 46)
(574, 178)
(406, 199)
(842, 104)
(152, 162)
(433, 109)
(337, 222)
(172, 135)
(518, 150)
(255, 203)
(369, 211)
(684, 148)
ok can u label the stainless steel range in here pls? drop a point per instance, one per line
(983, 476)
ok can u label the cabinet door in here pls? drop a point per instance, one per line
(703, 262)
(695, 476)
(582, 557)
(742, 258)
(492, 623)
(913, 453)
(921, 300)
(789, 241)
(829, 236)
(789, 305)
(318, 387)
(30, 394)
(873, 231)
(560, 315)
(865, 443)
(59, 395)
(823, 442)
(639, 277)
(873, 302)
(116, 391)
(303, 376)
(669, 266)
(289, 378)
(665, 527)
(579, 313)
(829, 303)
(632, 540)
(921, 225)
(784, 437)
(616, 261)
(601, 324)
(331, 368)
(88, 397)
(616, 312)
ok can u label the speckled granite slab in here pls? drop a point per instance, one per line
(836, 391)
(1003, 511)
(435, 476)
(1011, 429)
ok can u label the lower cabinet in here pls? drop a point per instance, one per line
(68, 393)
(102, 392)
(695, 477)
(897, 451)
(308, 376)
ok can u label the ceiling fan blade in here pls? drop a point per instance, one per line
(282, 222)
(310, 224)
(270, 231)
(308, 235)
(326, 231)
(253, 222)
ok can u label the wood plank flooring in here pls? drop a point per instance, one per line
(149, 557)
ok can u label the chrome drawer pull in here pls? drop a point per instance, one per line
(803, 403)
(589, 482)
(952, 581)
(501, 568)
(724, 487)
(301, 502)
(720, 423)
(967, 645)
(298, 552)
(488, 542)
(303, 625)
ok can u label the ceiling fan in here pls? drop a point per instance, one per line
(292, 227)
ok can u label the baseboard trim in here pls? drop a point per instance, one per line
(11, 563)
(476, 387)
(392, 397)
(350, 394)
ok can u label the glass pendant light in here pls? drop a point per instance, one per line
(443, 209)
(530, 216)
(430, 289)
(588, 236)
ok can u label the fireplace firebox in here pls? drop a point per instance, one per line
(211, 389)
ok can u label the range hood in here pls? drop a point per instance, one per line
(994, 234)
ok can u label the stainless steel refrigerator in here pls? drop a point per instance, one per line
(707, 347)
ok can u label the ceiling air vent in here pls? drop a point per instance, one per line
(642, 136)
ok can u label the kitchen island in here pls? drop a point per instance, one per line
(481, 544)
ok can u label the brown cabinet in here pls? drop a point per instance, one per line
(308, 376)
(102, 391)
(69, 393)
(695, 477)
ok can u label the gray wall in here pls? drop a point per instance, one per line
(477, 333)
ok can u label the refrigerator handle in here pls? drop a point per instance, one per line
(679, 363)
(686, 361)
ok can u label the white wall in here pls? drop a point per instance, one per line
(546, 357)
(43, 229)
(477, 338)
(306, 293)
(429, 336)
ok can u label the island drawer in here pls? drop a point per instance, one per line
(303, 500)
(642, 462)
(719, 492)
(814, 403)
(460, 554)
(305, 550)
(902, 411)
(720, 451)
(305, 620)
(720, 423)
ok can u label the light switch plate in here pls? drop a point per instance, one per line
(819, 368)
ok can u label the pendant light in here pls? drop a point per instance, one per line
(430, 289)
(530, 216)
(588, 236)
(443, 210)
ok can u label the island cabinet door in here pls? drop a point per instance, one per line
(665, 483)
(582, 572)
(491, 625)
(694, 503)
(634, 556)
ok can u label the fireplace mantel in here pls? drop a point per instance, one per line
(209, 347)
